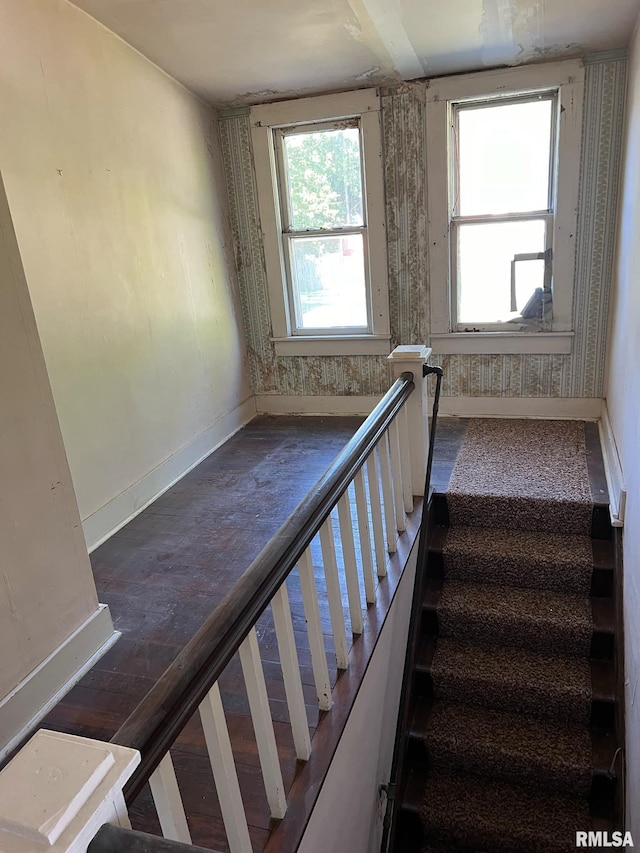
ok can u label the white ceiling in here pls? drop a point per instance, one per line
(236, 52)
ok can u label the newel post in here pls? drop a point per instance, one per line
(59, 790)
(412, 357)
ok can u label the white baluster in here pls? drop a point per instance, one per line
(225, 776)
(396, 472)
(373, 478)
(291, 673)
(166, 796)
(263, 724)
(405, 458)
(314, 631)
(350, 565)
(387, 493)
(364, 531)
(334, 595)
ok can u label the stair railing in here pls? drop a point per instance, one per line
(370, 485)
(190, 684)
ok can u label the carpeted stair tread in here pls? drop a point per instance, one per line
(510, 746)
(536, 619)
(495, 816)
(522, 474)
(553, 561)
(510, 679)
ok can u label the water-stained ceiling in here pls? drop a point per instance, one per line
(250, 51)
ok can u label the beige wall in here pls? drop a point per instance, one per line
(46, 586)
(113, 179)
(623, 403)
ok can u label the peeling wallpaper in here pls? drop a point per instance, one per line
(580, 374)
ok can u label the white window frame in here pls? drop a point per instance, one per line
(267, 118)
(568, 78)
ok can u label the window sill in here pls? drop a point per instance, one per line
(333, 345)
(515, 343)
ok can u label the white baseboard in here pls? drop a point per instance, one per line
(581, 408)
(274, 404)
(106, 521)
(35, 696)
(613, 470)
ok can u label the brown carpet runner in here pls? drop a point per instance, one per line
(508, 728)
(522, 475)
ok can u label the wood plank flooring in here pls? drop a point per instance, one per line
(164, 572)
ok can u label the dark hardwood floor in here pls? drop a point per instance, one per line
(166, 570)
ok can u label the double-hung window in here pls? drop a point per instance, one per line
(503, 149)
(502, 212)
(319, 173)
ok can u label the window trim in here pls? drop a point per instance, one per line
(567, 77)
(264, 119)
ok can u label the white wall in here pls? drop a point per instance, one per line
(114, 181)
(349, 811)
(623, 403)
(46, 587)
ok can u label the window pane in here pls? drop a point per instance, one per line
(485, 252)
(328, 282)
(504, 158)
(324, 179)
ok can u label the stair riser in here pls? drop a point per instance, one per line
(598, 526)
(522, 514)
(450, 758)
(600, 645)
(472, 569)
(488, 632)
(558, 778)
(485, 842)
(557, 705)
(601, 713)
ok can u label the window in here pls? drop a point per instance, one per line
(323, 227)
(319, 171)
(502, 214)
(502, 211)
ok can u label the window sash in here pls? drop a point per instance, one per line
(457, 107)
(279, 135)
(293, 296)
(544, 216)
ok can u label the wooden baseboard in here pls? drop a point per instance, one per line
(106, 521)
(613, 470)
(580, 408)
(583, 408)
(275, 404)
(33, 698)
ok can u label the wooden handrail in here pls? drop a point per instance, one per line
(158, 720)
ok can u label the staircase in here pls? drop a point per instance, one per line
(512, 710)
